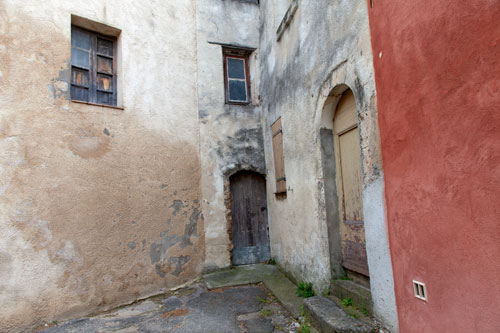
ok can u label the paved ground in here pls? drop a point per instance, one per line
(278, 284)
(194, 309)
(232, 300)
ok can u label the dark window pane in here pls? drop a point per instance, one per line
(104, 98)
(80, 94)
(104, 47)
(80, 39)
(104, 82)
(104, 65)
(237, 91)
(80, 77)
(235, 68)
(80, 58)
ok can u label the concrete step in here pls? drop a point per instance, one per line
(328, 317)
(360, 295)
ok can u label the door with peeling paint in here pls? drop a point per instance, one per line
(349, 185)
(249, 227)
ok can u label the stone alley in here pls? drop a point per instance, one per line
(250, 166)
(192, 309)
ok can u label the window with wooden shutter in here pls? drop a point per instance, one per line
(93, 63)
(279, 164)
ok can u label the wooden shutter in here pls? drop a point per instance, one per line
(93, 60)
(279, 164)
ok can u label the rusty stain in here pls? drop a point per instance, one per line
(175, 313)
(218, 290)
(105, 83)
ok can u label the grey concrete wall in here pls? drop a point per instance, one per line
(324, 50)
(98, 206)
(231, 135)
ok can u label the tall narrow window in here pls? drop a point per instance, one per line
(236, 76)
(279, 163)
(93, 62)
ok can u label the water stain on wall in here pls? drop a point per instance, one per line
(74, 176)
(89, 143)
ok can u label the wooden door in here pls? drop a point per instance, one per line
(250, 231)
(349, 185)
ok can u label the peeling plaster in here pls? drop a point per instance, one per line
(177, 206)
(85, 190)
(178, 262)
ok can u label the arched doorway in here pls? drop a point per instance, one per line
(249, 226)
(349, 187)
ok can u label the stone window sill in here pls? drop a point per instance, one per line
(96, 104)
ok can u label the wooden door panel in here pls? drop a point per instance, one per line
(345, 116)
(350, 186)
(354, 257)
(250, 233)
(351, 175)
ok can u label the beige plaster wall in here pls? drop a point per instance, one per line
(98, 206)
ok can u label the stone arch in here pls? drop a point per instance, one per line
(329, 176)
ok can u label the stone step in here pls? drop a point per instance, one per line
(360, 295)
(329, 317)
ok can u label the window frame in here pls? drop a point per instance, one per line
(233, 53)
(93, 87)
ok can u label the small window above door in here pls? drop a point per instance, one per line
(236, 76)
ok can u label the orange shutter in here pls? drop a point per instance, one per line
(279, 164)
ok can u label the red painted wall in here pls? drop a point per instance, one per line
(438, 86)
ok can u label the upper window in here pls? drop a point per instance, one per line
(236, 77)
(93, 63)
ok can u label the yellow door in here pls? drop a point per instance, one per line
(349, 186)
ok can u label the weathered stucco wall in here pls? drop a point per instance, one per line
(438, 83)
(231, 135)
(324, 50)
(98, 206)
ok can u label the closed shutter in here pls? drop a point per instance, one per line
(93, 72)
(279, 164)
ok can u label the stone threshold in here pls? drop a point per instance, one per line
(273, 279)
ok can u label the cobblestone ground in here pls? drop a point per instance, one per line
(193, 309)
